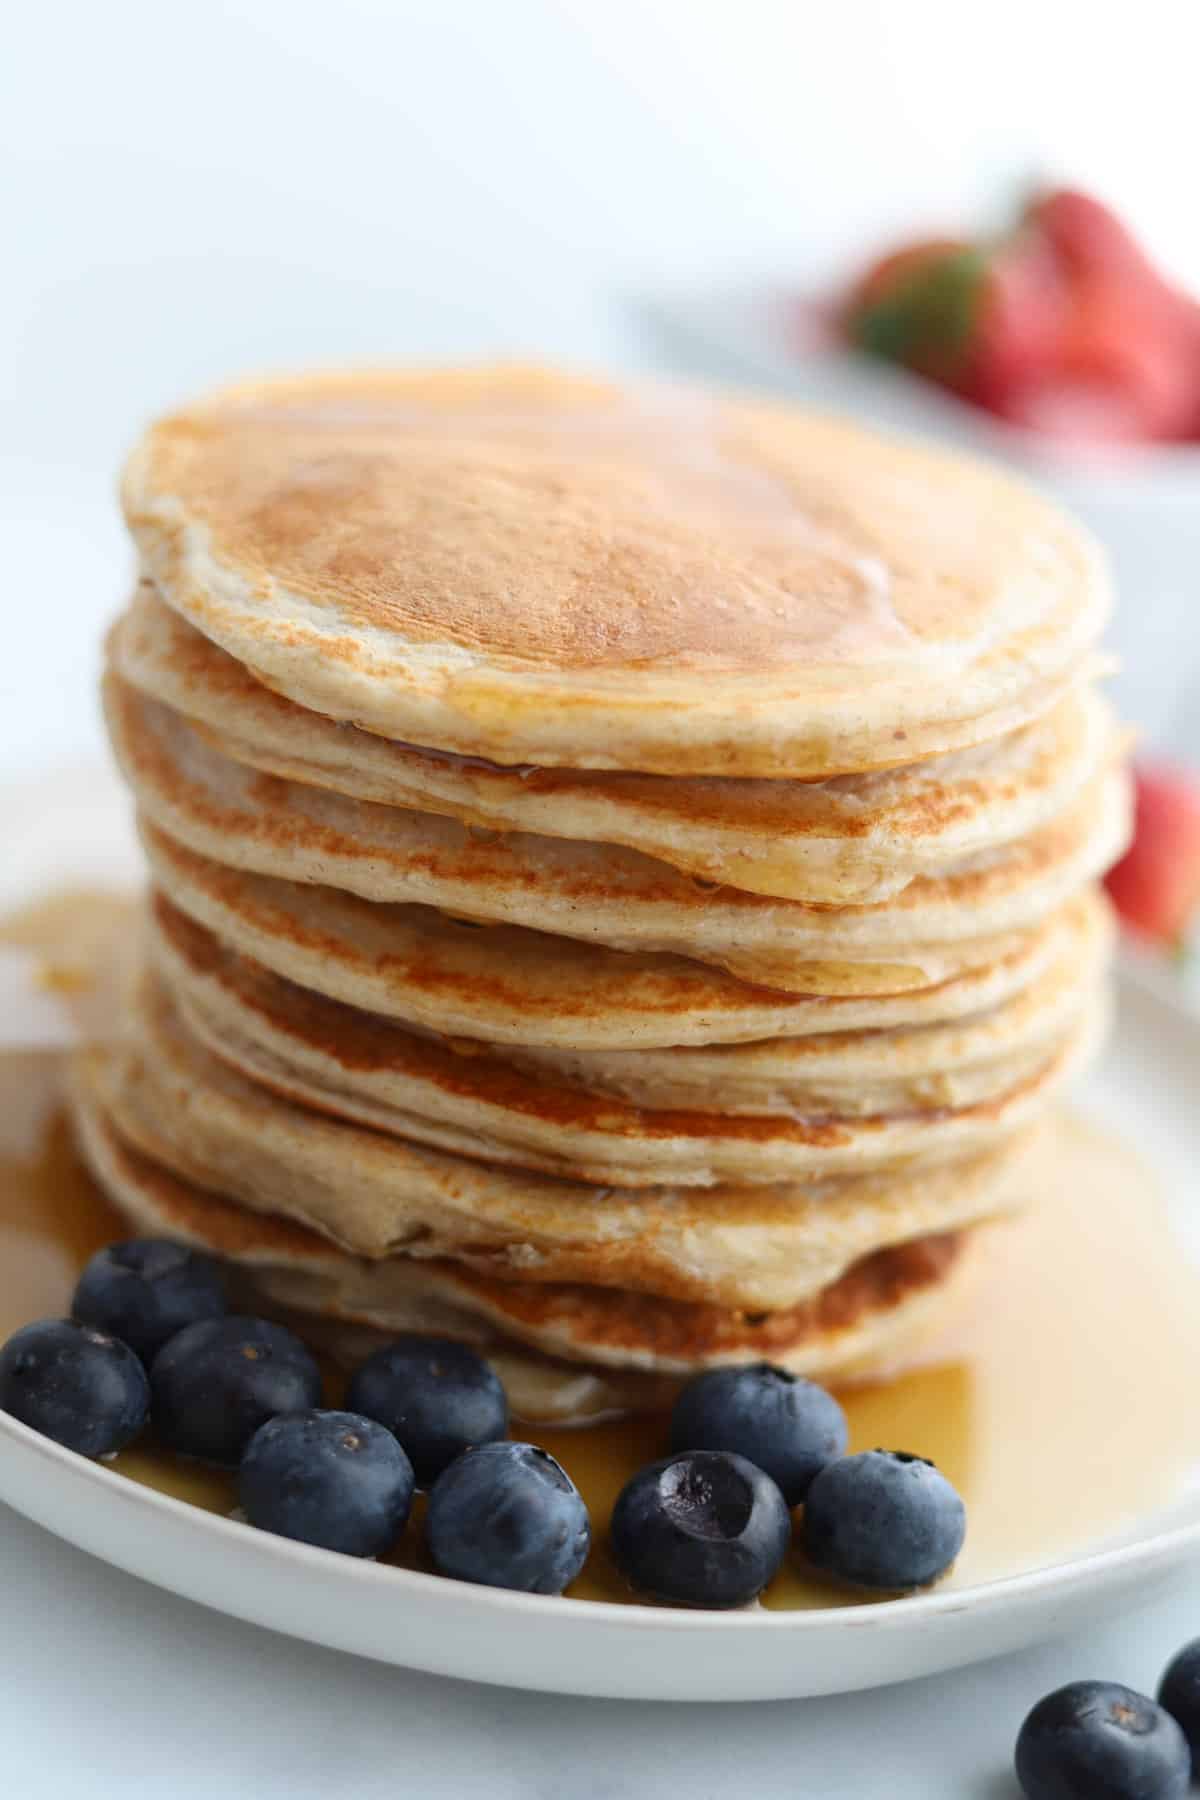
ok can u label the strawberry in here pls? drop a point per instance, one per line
(1089, 239)
(970, 318)
(1190, 334)
(1020, 321)
(1156, 885)
(1137, 349)
(1062, 325)
(1071, 411)
(1131, 345)
(1121, 373)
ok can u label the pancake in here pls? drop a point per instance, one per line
(531, 567)
(872, 1318)
(855, 838)
(952, 1063)
(365, 1069)
(380, 1196)
(509, 985)
(599, 893)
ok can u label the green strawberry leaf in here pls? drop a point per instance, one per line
(930, 314)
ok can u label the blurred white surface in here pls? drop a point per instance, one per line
(197, 190)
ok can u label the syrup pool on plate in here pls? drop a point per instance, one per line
(1062, 1408)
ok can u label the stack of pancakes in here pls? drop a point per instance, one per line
(623, 869)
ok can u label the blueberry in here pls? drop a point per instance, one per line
(145, 1290)
(1179, 1693)
(438, 1397)
(74, 1384)
(507, 1515)
(883, 1520)
(704, 1528)
(329, 1478)
(788, 1426)
(217, 1381)
(1096, 1740)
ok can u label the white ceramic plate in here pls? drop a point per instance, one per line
(1146, 1091)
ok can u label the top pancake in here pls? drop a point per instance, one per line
(530, 567)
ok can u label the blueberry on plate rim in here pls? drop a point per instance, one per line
(144, 1290)
(1101, 1741)
(786, 1425)
(1179, 1694)
(328, 1478)
(508, 1515)
(214, 1383)
(701, 1528)
(81, 1387)
(437, 1396)
(883, 1520)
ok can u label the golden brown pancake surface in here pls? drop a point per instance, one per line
(533, 567)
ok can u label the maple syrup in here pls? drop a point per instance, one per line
(1063, 1408)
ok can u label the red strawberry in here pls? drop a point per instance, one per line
(1021, 317)
(1156, 886)
(1089, 238)
(973, 319)
(1063, 325)
(1130, 363)
(1190, 331)
(1074, 412)
(1121, 373)
(1138, 349)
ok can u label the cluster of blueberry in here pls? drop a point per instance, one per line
(150, 1339)
(1102, 1741)
(710, 1524)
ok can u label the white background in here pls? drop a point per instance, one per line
(189, 191)
(194, 190)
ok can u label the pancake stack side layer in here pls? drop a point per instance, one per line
(623, 870)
